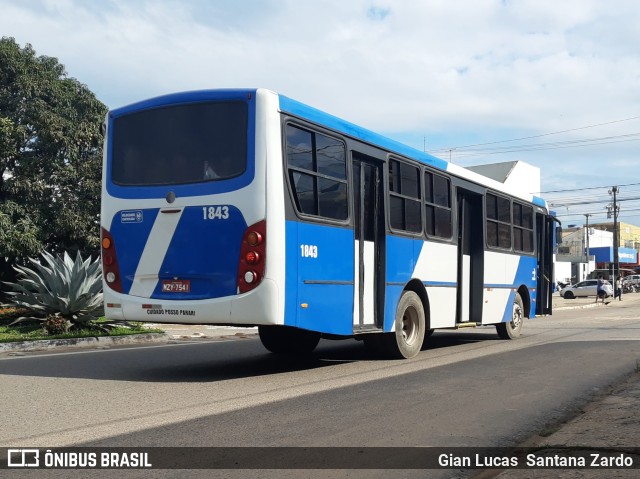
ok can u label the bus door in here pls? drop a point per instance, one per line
(369, 226)
(544, 241)
(470, 257)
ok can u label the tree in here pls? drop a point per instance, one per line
(50, 158)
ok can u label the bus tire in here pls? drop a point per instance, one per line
(427, 334)
(288, 340)
(406, 341)
(513, 328)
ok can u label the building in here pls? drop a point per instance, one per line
(572, 262)
(629, 236)
(517, 175)
(576, 240)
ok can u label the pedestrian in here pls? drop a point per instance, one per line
(600, 292)
(618, 292)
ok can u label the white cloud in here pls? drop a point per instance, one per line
(457, 72)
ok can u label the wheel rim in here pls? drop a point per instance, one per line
(516, 320)
(410, 325)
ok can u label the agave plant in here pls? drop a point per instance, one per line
(59, 289)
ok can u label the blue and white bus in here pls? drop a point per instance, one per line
(248, 208)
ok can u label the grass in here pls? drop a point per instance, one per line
(34, 331)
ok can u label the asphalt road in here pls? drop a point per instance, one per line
(468, 388)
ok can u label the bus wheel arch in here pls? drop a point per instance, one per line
(410, 323)
(288, 340)
(417, 287)
(526, 300)
(513, 329)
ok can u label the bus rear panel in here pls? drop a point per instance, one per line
(184, 226)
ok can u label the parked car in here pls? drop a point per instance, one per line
(585, 288)
(632, 279)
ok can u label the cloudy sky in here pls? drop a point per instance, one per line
(554, 83)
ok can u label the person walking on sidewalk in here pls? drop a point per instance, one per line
(600, 292)
(618, 290)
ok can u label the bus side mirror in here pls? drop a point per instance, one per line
(558, 234)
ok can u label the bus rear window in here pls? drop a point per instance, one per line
(180, 144)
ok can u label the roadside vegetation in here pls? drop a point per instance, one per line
(33, 331)
(50, 173)
(57, 297)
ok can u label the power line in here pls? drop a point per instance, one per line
(542, 135)
(552, 144)
(587, 188)
(527, 148)
(591, 202)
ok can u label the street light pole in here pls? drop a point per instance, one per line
(616, 240)
(587, 242)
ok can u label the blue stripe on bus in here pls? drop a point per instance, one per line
(317, 255)
(539, 201)
(508, 310)
(402, 256)
(186, 97)
(130, 238)
(392, 296)
(440, 284)
(206, 252)
(527, 275)
(191, 189)
(301, 110)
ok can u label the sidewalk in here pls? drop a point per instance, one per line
(182, 332)
(561, 304)
(611, 421)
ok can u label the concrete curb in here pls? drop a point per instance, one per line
(581, 306)
(592, 304)
(88, 342)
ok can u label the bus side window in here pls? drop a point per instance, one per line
(498, 221)
(317, 173)
(438, 205)
(405, 212)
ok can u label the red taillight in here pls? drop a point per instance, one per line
(110, 268)
(252, 257)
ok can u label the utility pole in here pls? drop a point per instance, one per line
(616, 241)
(586, 241)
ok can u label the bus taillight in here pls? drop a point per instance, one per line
(252, 257)
(110, 268)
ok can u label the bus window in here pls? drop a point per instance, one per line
(318, 173)
(180, 144)
(437, 205)
(498, 221)
(404, 197)
(522, 228)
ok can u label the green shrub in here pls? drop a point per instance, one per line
(59, 289)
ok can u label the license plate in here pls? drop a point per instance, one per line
(176, 286)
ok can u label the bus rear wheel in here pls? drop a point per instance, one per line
(513, 328)
(288, 340)
(406, 341)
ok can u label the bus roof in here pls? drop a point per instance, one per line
(296, 108)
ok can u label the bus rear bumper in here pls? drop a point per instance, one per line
(257, 307)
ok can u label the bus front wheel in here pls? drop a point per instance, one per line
(513, 328)
(406, 341)
(288, 340)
